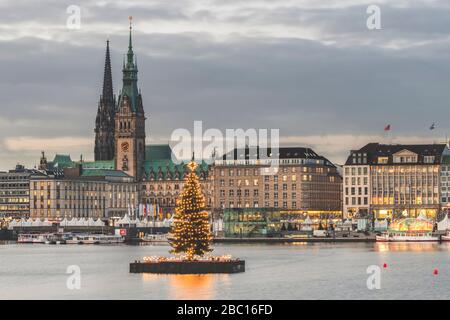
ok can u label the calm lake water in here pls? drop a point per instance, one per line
(294, 271)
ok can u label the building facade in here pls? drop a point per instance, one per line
(15, 192)
(393, 181)
(302, 182)
(82, 193)
(445, 182)
(164, 180)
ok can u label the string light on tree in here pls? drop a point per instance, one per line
(191, 233)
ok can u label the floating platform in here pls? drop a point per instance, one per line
(188, 267)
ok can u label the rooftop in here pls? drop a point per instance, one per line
(370, 153)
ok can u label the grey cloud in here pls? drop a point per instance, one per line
(50, 88)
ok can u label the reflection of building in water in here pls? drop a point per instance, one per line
(407, 247)
(393, 181)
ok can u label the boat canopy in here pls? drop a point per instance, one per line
(419, 224)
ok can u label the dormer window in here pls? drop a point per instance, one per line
(405, 159)
(383, 160)
(428, 159)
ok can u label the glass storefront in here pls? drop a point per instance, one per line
(268, 222)
(251, 222)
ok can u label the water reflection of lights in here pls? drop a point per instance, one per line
(408, 246)
(190, 286)
(298, 243)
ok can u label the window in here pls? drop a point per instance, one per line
(383, 160)
(428, 159)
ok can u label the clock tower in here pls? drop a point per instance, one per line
(130, 121)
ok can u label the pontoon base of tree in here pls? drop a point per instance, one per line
(188, 267)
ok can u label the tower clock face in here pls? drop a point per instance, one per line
(125, 146)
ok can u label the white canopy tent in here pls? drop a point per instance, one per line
(307, 224)
(444, 224)
(13, 223)
(37, 223)
(381, 225)
(99, 223)
(124, 221)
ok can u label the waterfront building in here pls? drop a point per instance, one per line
(164, 179)
(384, 181)
(445, 182)
(15, 192)
(302, 183)
(82, 193)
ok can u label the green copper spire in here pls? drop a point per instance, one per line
(130, 71)
(130, 53)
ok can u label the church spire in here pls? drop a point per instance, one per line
(130, 53)
(129, 87)
(104, 122)
(108, 94)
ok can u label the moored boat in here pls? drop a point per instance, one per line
(409, 230)
(155, 238)
(446, 237)
(407, 237)
(94, 239)
(32, 238)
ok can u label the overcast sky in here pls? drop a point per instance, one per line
(310, 68)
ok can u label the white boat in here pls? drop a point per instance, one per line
(409, 230)
(32, 238)
(111, 239)
(407, 237)
(94, 239)
(155, 238)
(446, 237)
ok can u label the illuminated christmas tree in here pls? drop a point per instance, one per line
(191, 232)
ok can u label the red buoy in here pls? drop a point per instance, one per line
(436, 272)
(385, 265)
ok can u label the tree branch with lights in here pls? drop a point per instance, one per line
(191, 233)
